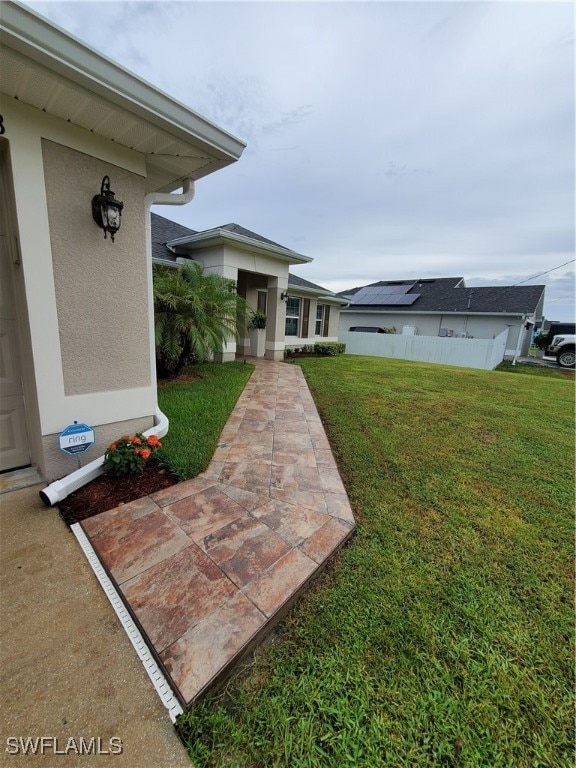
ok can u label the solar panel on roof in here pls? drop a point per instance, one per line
(386, 295)
(408, 299)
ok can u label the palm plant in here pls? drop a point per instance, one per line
(195, 313)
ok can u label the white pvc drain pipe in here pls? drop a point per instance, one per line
(134, 635)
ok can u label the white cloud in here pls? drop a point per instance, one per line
(385, 139)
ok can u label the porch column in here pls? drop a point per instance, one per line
(229, 350)
(276, 322)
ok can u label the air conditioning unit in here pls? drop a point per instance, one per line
(409, 330)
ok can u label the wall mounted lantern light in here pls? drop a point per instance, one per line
(284, 296)
(106, 210)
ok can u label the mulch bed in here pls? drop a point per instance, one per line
(106, 492)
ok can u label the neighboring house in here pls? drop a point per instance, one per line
(77, 308)
(298, 311)
(445, 307)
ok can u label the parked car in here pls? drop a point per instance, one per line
(558, 329)
(562, 348)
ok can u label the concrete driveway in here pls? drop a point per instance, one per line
(68, 672)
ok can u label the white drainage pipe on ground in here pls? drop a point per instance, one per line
(154, 673)
(60, 489)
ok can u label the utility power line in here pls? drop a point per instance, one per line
(543, 273)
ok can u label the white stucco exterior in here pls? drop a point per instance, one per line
(85, 307)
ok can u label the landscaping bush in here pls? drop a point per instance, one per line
(329, 348)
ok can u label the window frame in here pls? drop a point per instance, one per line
(295, 315)
(319, 329)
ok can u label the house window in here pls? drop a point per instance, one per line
(261, 305)
(292, 316)
(319, 318)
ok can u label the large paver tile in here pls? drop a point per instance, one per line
(205, 512)
(201, 654)
(326, 540)
(244, 549)
(293, 523)
(275, 587)
(130, 546)
(173, 596)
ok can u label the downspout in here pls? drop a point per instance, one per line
(60, 489)
(521, 332)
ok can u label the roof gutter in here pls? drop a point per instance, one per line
(41, 41)
(396, 310)
(60, 489)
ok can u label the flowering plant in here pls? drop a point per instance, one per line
(129, 455)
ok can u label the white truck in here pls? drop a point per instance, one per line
(562, 348)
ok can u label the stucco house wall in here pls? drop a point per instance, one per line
(103, 339)
(86, 297)
(329, 333)
(84, 342)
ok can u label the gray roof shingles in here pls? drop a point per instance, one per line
(450, 294)
(299, 282)
(164, 230)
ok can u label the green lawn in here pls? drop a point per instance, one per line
(442, 635)
(198, 409)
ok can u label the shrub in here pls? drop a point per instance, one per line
(128, 455)
(257, 321)
(195, 314)
(540, 340)
(330, 348)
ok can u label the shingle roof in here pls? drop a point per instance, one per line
(450, 294)
(164, 230)
(238, 230)
(299, 282)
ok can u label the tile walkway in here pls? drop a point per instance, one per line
(206, 566)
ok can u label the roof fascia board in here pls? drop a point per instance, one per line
(223, 236)
(325, 298)
(356, 308)
(165, 262)
(293, 288)
(32, 36)
(336, 300)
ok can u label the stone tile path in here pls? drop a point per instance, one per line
(207, 565)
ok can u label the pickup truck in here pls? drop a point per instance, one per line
(562, 348)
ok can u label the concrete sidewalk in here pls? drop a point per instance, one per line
(67, 669)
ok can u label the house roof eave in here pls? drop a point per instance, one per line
(412, 313)
(176, 141)
(296, 290)
(219, 236)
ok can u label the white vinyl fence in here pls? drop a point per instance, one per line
(467, 353)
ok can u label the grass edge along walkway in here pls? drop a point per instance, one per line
(198, 405)
(443, 634)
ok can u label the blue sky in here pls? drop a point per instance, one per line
(386, 140)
